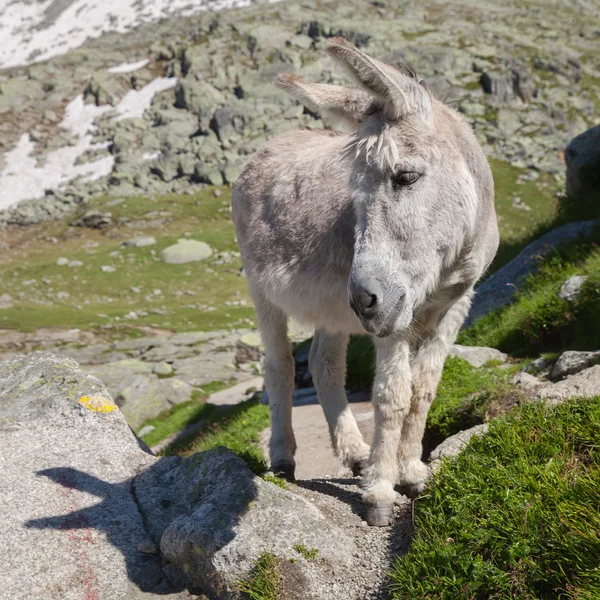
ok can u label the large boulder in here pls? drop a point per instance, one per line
(89, 512)
(572, 362)
(582, 157)
(70, 525)
(500, 288)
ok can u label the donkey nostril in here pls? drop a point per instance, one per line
(373, 301)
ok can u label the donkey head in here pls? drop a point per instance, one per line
(413, 166)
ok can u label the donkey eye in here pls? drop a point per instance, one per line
(404, 178)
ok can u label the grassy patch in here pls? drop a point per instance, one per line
(540, 321)
(307, 553)
(237, 428)
(464, 398)
(264, 583)
(275, 480)
(142, 290)
(184, 414)
(516, 515)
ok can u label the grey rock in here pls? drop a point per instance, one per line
(61, 261)
(248, 348)
(526, 382)
(455, 444)
(6, 301)
(570, 290)
(540, 366)
(145, 430)
(140, 242)
(571, 362)
(500, 288)
(185, 251)
(163, 369)
(585, 384)
(508, 121)
(219, 518)
(94, 220)
(477, 355)
(582, 157)
(70, 523)
(107, 269)
(145, 397)
(75, 263)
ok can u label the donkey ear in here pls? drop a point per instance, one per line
(344, 103)
(401, 92)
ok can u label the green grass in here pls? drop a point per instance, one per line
(465, 396)
(264, 582)
(518, 227)
(516, 515)
(539, 321)
(192, 296)
(181, 415)
(236, 427)
(307, 553)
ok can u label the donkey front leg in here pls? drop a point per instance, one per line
(279, 381)
(391, 400)
(327, 362)
(427, 368)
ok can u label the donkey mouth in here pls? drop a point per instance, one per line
(382, 325)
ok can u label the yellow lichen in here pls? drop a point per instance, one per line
(98, 404)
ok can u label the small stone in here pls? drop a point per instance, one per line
(217, 193)
(5, 301)
(147, 547)
(185, 251)
(140, 242)
(62, 261)
(135, 289)
(163, 369)
(570, 290)
(75, 263)
(107, 269)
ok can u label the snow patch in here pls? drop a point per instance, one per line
(23, 178)
(129, 67)
(31, 32)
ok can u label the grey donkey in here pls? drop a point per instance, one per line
(384, 230)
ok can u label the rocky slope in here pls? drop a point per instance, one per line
(525, 75)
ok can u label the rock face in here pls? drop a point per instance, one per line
(70, 524)
(571, 362)
(500, 288)
(89, 512)
(583, 161)
(477, 355)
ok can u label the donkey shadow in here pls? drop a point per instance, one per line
(133, 515)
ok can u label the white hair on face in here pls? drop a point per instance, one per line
(375, 144)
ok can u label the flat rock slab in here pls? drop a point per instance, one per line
(70, 525)
(454, 445)
(185, 251)
(314, 456)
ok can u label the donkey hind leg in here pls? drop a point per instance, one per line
(391, 400)
(327, 362)
(426, 369)
(279, 381)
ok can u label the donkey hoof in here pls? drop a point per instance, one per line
(285, 470)
(379, 516)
